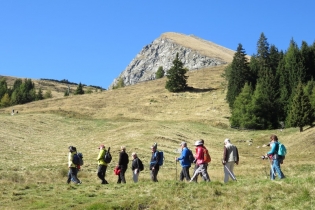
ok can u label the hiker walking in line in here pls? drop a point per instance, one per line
(135, 167)
(230, 157)
(185, 162)
(122, 164)
(201, 164)
(154, 164)
(102, 166)
(73, 170)
(276, 159)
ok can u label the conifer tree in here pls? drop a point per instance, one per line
(301, 112)
(3, 87)
(79, 90)
(159, 73)
(39, 95)
(177, 80)
(239, 74)
(241, 112)
(263, 52)
(264, 102)
(5, 100)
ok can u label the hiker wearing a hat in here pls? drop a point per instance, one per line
(154, 166)
(184, 161)
(201, 165)
(102, 166)
(122, 164)
(230, 157)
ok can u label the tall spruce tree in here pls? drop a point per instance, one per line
(241, 113)
(301, 112)
(176, 75)
(263, 52)
(239, 74)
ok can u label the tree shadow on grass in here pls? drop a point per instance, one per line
(199, 90)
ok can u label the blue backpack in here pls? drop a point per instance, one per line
(282, 151)
(78, 159)
(161, 157)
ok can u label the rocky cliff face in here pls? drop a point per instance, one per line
(162, 51)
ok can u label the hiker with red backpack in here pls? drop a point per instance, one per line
(185, 162)
(230, 157)
(123, 165)
(202, 158)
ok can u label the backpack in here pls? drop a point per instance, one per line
(161, 157)
(282, 151)
(140, 164)
(206, 156)
(191, 157)
(78, 159)
(108, 156)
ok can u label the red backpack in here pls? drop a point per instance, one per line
(206, 155)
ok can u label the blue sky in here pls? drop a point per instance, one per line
(92, 42)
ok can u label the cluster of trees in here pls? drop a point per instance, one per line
(65, 81)
(273, 87)
(20, 93)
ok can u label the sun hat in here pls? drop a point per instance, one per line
(197, 143)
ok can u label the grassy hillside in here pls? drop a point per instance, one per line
(57, 89)
(33, 152)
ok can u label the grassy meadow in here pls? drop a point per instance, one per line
(34, 148)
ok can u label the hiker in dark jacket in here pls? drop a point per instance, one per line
(184, 161)
(73, 171)
(122, 164)
(135, 167)
(154, 163)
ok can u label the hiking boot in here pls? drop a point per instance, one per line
(79, 182)
(68, 181)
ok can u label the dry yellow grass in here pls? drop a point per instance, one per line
(136, 116)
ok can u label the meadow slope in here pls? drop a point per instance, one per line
(33, 152)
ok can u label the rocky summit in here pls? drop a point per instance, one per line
(194, 52)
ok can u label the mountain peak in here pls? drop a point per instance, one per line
(194, 52)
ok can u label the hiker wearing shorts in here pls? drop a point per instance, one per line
(201, 165)
(185, 163)
(122, 164)
(73, 170)
(102, 166)
(276, 159)
(230, 157)
(154, 163)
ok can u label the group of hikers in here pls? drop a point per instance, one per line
(201, 159)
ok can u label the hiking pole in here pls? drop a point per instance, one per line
(233, 177)
(176, 171)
